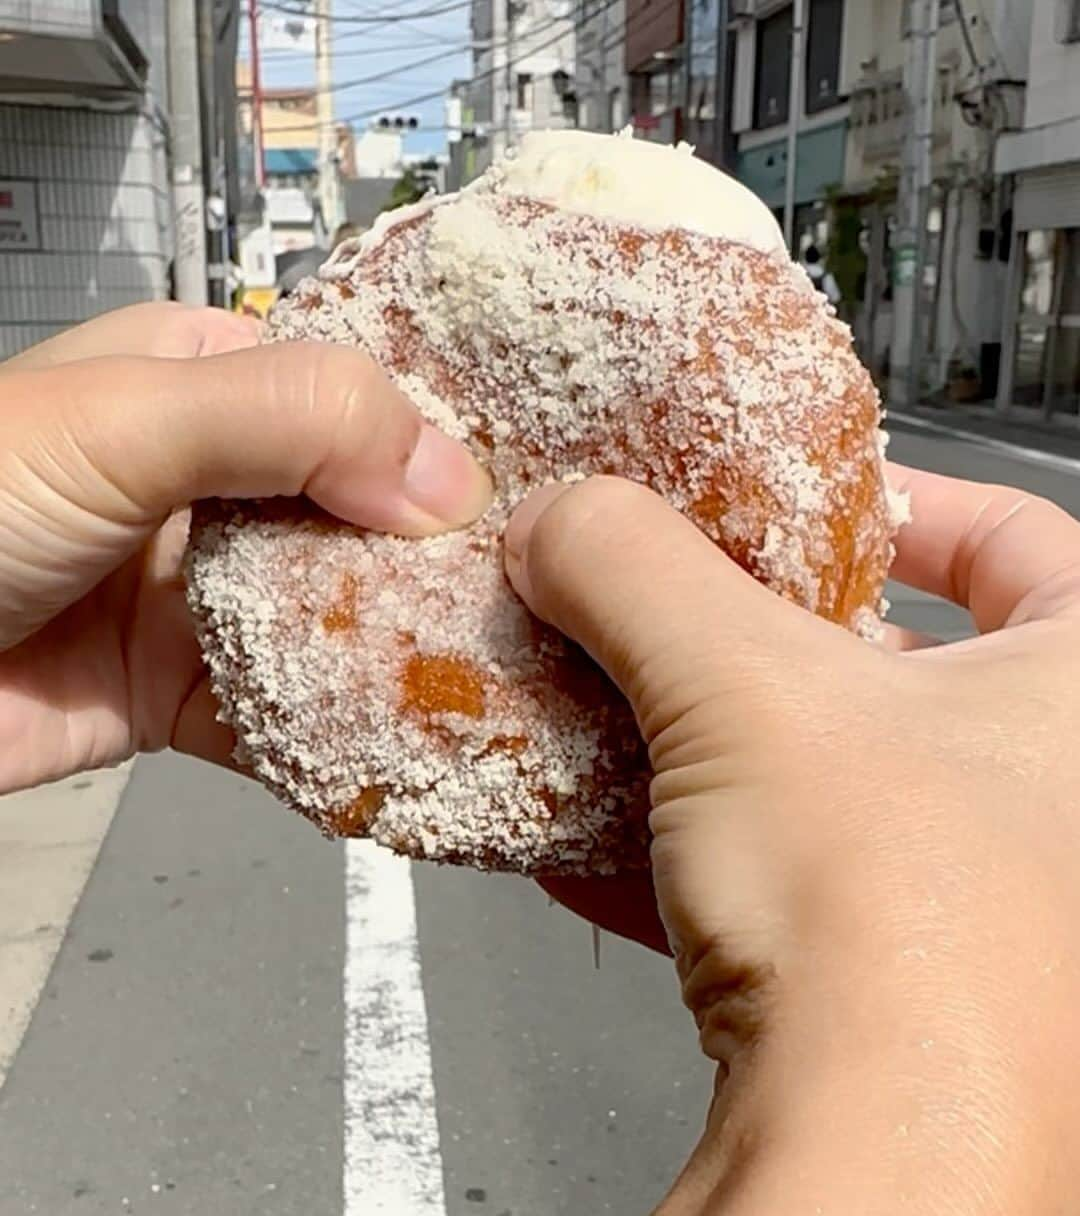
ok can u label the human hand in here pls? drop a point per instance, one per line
(110, 431)
(865, 861)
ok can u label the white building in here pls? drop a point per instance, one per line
(981, 66)
(853, 114)
(600, 76)
(85, 209)
(1041, 346)
(523, 72)
(380, 150)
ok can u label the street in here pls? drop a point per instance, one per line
(204, 1042)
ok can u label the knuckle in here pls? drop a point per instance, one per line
(355, 405)
(589, 517)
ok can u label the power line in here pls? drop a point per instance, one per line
(388, 73)
(384, 19)
(487, 74)
(530, 50)
(287, 58)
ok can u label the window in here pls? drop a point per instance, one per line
(823, 54)
(772, 76)
(524, 91)
(641, 94)
(1047, 367)
(1067, 21)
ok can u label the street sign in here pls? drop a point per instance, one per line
(905, 260)
(20, 222)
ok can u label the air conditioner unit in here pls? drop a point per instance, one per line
(76, 46)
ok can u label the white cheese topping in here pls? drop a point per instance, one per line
(635, 182)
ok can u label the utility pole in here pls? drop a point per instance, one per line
(188, 193)
(327, 140)
(213, 152)
(256, 95)
(508, 82)
(913, 203)
(798, 16)
(604, 114)
(723, 154)
(688, 70)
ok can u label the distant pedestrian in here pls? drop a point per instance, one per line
(821, 278)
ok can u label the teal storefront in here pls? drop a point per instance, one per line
(819, 166)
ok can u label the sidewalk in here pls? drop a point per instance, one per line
(49, 840)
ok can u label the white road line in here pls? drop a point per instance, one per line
(393, 1164)
(1049, 460)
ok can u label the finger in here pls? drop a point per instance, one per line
(624, 904)
(138, 437)
(899, 639)
(1005, 555)
(647, 595)
(162, 329)
(199, 730)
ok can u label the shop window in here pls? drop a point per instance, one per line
(1037, 293)
(772, 76)
(1047, 367)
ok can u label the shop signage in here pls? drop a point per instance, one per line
(20, 225)
(904, 264)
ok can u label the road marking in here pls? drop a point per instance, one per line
(49, 841)
(1050, 460)
(393, 1163)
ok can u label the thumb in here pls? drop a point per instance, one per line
(671, 619)
(130, 439)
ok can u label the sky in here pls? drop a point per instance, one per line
(364, 50)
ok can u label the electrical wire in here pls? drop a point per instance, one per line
(383, 19)
(488, 73)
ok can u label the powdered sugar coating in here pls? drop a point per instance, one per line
(397, 688)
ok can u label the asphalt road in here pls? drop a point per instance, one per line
(189, 1052)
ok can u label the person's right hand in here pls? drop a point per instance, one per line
(867, 863)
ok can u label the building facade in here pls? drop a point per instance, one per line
(85, 208)
(853, 116)
(762, 106)
(981, 67)
(289, 216)
(1040, 164)
(523, 79)
(600, 77)
(654, 49)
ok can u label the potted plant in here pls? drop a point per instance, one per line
(965, 385)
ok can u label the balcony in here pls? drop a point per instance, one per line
(879, 109)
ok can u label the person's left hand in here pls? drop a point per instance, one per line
(109, 431)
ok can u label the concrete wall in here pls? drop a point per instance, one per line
(874, 50)
(104, 218)
(1053, 92)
